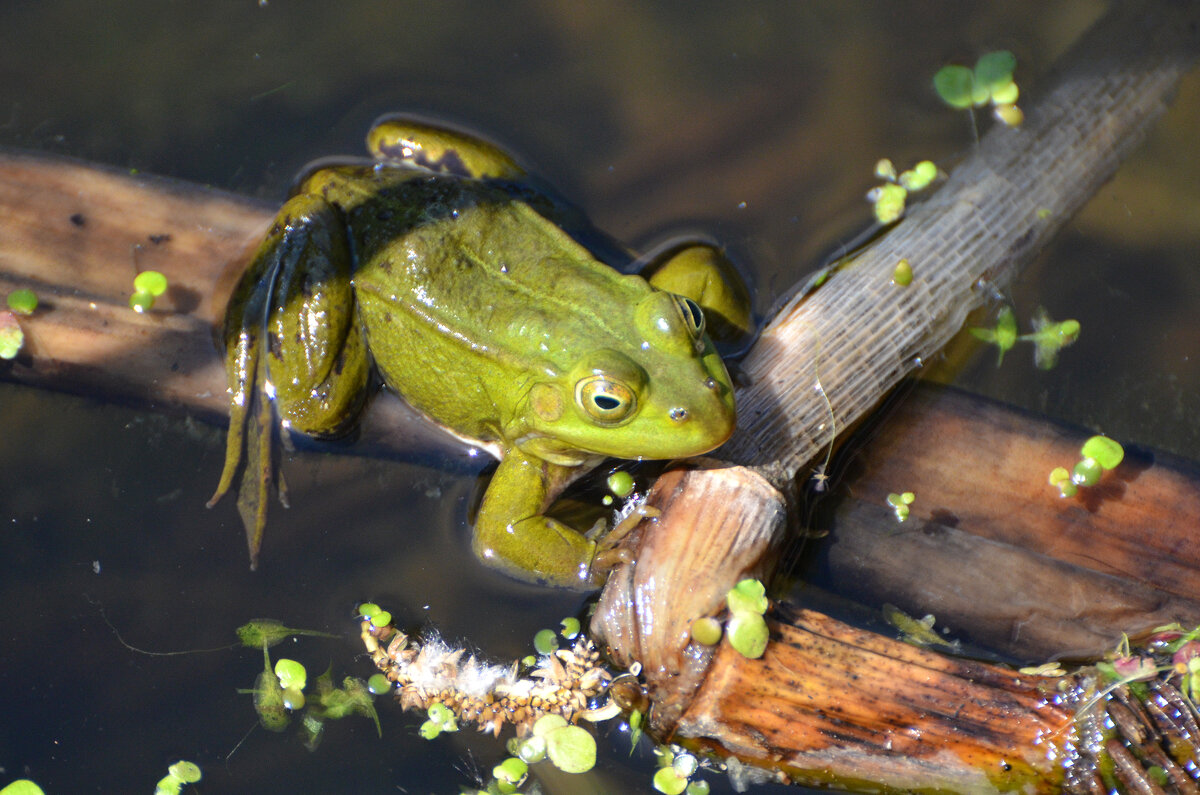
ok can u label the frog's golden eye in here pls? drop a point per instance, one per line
(604, 400)
(693, 316)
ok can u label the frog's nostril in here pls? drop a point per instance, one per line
(678, 414)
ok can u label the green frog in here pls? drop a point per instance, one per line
(441, 265)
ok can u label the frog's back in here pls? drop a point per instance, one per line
(467, 295)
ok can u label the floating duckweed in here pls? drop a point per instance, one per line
(1009, 115)
(293, 699)
(150, 282)
(532, 750)
(884, 169)
(141, 302)
(748, 596)
(1003, 335)
(900, 504)
(22, 786)
(748, 634)
(902, 275)
(545, 641)
(570, 628)
(620, 483)
(382, 618)
(185, 771)
(1086, 473)
(955, 85)
(685, 765)
(571, 749)
(990, 81)
(919, 176)
(1106, 452)
(698, 788)
(1061, 478)
(511, 771)
(669, 782)
(889, 202)
(994, 71)
(441, 719)
(22, 301)
(147, 286)
(11, 336)
(707, 631)
(291, 674)
(379, 684)
(1049, 338)
(180, 773)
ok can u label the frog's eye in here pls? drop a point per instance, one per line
(671, 323)
(604, 400)
(693, 316)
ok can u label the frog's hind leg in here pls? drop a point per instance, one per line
(294, 351)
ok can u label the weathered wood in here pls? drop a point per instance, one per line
(77, 234)
(1060, 577)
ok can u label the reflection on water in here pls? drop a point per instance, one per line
(757, 123)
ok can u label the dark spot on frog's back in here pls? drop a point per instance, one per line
(385, 265)
(78, 219)
(274, 346)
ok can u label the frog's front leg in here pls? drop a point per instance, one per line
(513, 534)
(293, 350)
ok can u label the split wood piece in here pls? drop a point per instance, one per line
(993, 551)
(828, 704)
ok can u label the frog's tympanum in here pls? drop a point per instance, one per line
(440, 264)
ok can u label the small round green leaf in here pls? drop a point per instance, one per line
(185, 771)
(379, 684)
(570, 628)
(995, 69)
(11, 336)
(707, 630)
(293, 698)
(22, 786)
(902, 274)
(512, 770)
(748, 596)
(548, 723)
(571, 749)
(748, 634)
(668, 782)
(22, 301)
(545, 641)
(955, 85)
(151, 282)
(291, 674)
(1107, 452)
(1086, 473)
(620, 483)
(141, 302)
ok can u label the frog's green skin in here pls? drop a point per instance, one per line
(443, 268)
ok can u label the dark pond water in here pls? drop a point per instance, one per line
(757, 122)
